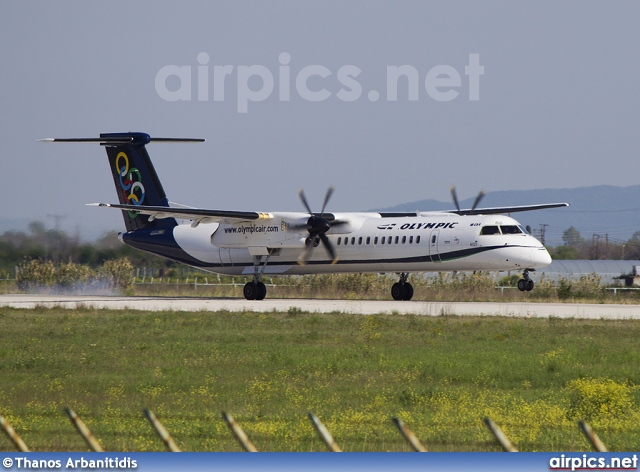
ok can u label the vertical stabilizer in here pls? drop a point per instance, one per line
(135, 179)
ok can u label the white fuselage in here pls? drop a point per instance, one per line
(368, 243)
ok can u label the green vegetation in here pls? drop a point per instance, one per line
(534, 377)
(37, 275)
(117, 276)
(461, 287)
(596, 247)
(40, 243)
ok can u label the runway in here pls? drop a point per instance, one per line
(361, 307)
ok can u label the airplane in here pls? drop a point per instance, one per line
(282, 243)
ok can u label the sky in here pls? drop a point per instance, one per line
(391, 102)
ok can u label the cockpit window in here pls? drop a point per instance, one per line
(511, 229)
(490, 230)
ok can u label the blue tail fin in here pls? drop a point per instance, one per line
(135, 178)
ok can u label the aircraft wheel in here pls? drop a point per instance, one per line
(262, 291)
(397, 293)
(530, 285)
(250, 291)
(408, 291)
(522, 285)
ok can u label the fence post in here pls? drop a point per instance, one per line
(85, 432)
(11, 433)
(502, 438)
(409, 436)
(592, 437)
(324, 434)
(162, 432)
(238, 433)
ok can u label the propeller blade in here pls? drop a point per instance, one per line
(329, 247)
(309, 244)
(481, 194)
(326, 198)
(454, 195)
(304, 200)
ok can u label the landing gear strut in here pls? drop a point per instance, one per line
(256, 290)
(402, 290)
(525, 283)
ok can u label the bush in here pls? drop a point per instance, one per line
(564, 289)
(117, 274)
(71, 275)
(589, 286)
(509, 280)
(595, 399)
(35, 274)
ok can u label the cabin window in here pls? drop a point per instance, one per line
(339, 239)
(410, 239)
(404, 239)
(397, 239)
(360, 240)
(490, 230)
(353, 241)
(375, 240)
(368, 240)
(417, 239)
(511, 229)
(382, 241)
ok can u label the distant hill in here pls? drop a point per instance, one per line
(605, 210)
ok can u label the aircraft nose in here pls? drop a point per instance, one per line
(540, 257)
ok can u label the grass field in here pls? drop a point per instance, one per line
(534, 377)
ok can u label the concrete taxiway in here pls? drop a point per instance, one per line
(362, 307)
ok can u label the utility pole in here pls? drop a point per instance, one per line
(56, 219)
(543, 230)
(595, 239)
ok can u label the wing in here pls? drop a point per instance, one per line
(479, 211)
(197, 214)
(509, 209)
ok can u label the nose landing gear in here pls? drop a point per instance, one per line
(402, 290)
(525, 283)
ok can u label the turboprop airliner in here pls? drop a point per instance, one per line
(284, 243)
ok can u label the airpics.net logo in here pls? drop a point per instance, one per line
(313, 83)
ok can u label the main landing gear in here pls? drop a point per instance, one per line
(402, 290)
(525, 283)
(256, 290)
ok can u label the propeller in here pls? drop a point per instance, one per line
(454, 195)
(317, 226)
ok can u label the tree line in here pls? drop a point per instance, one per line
(58, 247)
(596, 247)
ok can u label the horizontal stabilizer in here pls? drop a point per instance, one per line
(110, 139)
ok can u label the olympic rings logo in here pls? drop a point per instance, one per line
(132, 188)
